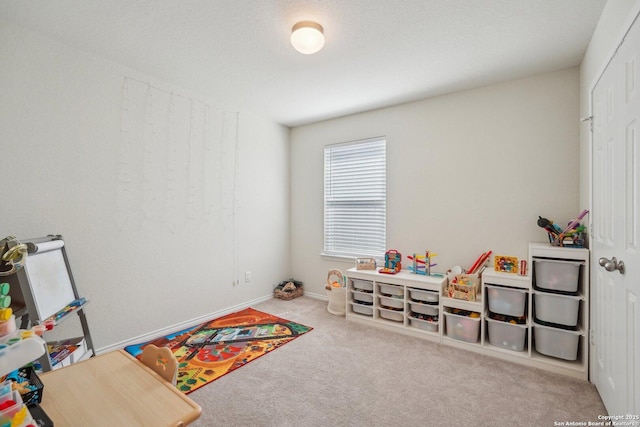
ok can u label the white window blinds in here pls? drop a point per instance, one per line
(355, 198)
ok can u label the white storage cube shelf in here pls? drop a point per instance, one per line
(557, 275)
(539, 320)
(507, 301)
(507, 335)
(557, 309)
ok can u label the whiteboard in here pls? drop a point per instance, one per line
(49, 279)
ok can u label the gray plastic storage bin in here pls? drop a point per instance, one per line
(390, 302)
(507, 301)
(396, 316)
(463, 328)
(423, 296)
(429, 310)
(559, 309)
(556, 342)
(424, 324)
(557, 275)
(394, 290)
(507, 335)
(367, 310)
(362, 285)
(362, 297)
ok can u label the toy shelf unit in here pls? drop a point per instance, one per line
(44, 293)
(506, 315)
(560, 306)
(462, 313)
(403, 302)
(511, 309)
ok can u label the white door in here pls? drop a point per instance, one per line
(615, 353)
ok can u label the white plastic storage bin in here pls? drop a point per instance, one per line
(507, 335)
(507, 301)
(396, 316)
(362, 297)
(391, 302)
(557, 275)
(463, 328)
(362, 285)
(429, 310)
(366, 310)
(391, 290)
(423, 296)
(559, 309)
(556, 342)
(424, 325)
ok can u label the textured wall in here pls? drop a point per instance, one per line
(164, 200)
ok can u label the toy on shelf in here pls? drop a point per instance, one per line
(463, 286)
(422, 264)
(365, 264)
(505, 264)
(392, 262)
(479, 264)
(571, 236)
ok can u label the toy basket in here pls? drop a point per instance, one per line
(463, 286)
(337, 293)
(288, 290)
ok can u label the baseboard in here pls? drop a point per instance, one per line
(183, 325)
(316, 296)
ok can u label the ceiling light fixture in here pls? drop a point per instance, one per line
(307, 37)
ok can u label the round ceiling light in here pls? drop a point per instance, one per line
(307, 37)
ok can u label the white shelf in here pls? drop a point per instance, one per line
(462, 304)
(529, 356)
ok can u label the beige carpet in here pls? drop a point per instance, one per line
(347, 374)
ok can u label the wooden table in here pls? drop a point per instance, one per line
(114, 389)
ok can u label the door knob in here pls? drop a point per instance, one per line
(612, 264)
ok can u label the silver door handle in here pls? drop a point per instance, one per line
(612, 264)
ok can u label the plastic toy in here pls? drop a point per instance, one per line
(392, 262)
(571, 235)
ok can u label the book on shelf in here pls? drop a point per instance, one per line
(60, 350)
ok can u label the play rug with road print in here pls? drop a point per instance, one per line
(210, 350)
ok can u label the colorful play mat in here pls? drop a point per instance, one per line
(217, 347)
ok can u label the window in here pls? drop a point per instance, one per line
(355, 199)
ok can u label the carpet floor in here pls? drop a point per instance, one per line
(346, 374)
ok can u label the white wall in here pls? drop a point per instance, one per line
(61, 150)
(467, 172)
(615, 20)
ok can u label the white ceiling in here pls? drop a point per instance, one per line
(377, 52)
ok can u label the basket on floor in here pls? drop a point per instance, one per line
(337, 293)
(288, 290)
